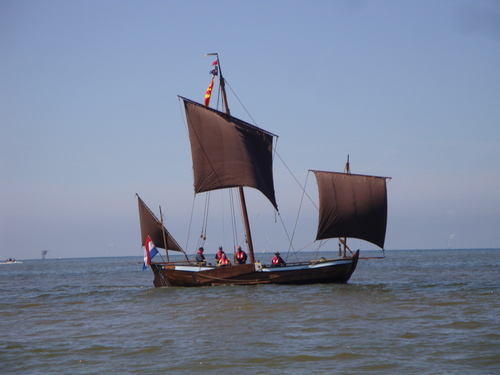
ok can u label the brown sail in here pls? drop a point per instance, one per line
(228, 152)
(353, 206)
(152, 227)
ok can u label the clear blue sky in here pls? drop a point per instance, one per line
(89, 113)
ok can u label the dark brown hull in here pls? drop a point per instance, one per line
(330, 271)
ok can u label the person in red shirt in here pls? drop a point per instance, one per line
(240, 256)
(277, 260)
(224, 261)
(218, 255)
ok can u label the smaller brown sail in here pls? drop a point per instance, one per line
(228, 152)
(152, 227)
(352, 205)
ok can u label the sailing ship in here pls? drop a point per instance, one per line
(229, 153)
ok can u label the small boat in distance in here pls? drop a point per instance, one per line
(11, 261)
(229, 153)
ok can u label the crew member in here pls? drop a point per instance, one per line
(241, 256)
(277, 260)
(200, 258)
(218, 255)
(224, 261)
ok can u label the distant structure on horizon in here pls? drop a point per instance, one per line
(449, 240)
(44, 252)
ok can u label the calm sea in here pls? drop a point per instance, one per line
(414, 312)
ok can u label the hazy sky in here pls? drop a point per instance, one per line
(89, 114)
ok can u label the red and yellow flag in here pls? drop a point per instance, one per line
(208, 94)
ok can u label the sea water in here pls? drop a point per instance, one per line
(414, 312)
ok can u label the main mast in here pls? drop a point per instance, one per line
(244, 212)
(344, 240)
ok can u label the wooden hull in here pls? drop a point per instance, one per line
(327, 271)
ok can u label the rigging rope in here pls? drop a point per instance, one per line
(190, 223)
(239, 101)
(300, 207)
(233, 219)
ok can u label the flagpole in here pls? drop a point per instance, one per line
(164, 237)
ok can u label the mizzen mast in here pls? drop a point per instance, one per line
(343, 241)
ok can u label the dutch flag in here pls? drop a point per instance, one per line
(149, 252)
